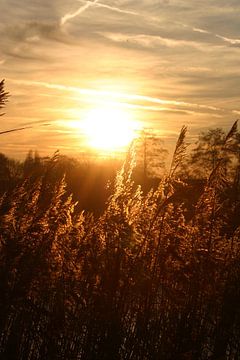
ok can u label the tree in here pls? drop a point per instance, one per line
(10, 173)
(33, 164)
(210, 148)
(150, 155)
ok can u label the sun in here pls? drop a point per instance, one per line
(109, 129)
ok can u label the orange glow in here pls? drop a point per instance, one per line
(108, 128)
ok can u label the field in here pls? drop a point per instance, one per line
(154, 274)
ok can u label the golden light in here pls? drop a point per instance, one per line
(109, 129)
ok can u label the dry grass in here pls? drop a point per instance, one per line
(142, 281)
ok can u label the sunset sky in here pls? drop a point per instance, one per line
(165, 63)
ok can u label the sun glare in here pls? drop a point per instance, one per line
(109, 129)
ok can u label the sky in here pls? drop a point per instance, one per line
(168, 63)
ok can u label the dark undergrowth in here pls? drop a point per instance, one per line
(147, 279)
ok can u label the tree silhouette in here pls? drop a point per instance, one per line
(211, 148)
(150, 158)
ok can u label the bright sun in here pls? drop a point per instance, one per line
(109, 129)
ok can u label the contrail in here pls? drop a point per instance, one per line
(69, 16)
(228, 40)
(113, 8)
(88, 4)
(232, 41)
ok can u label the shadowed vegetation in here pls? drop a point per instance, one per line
(147, 278)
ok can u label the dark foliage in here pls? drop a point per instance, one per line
(152, 275)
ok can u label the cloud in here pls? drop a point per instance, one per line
(232, 41)
(157, 42)
(236, 112)
(115, 95)
(229, 40)
(28, 41)
(113, 8)
(79, 11)
(97, 4)
(32, 31)
(202, 31)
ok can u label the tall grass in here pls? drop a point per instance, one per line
(141, 281)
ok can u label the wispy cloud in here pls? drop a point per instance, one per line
(113, 8)
(202, 31)
(229, 40)
(116, 95)
(150, 41)
(97, 4)
(79, 11)
(236, 112)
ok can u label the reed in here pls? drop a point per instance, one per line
(141, 281)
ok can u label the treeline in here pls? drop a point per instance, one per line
(154, 275)
(91, 181)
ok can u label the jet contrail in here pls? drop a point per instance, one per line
(113, 8)
(80, 10)
(88, 4)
